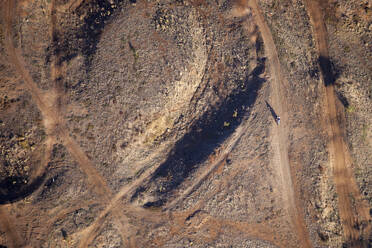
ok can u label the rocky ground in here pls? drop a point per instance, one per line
(151, 124)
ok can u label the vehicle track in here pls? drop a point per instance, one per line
(262, 231)
(352, 217)
(191, 222)
(280, 132)
(92, 230)
(52, 118)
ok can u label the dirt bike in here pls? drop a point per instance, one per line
(277, 119)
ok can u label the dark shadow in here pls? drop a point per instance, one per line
(93, 26)
(327, 70)
(358, 243)
(64, 234)
(274, 115)
(206, 134)
(153, 204)
(13, 189)
(194, 214)
(342, 99)
(67, 44)
(260, 68)
(3, 246)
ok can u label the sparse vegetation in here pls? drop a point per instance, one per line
(134, 51)
(350, 109)
(364, 132)
(137, 107)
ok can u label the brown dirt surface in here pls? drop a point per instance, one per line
(354, 211)
(136, 123)
(280, 136)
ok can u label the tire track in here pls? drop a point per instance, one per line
(92, 230)
(197, 224)
(52, 118)
(354, 212)
(262, 231)
(280, 133)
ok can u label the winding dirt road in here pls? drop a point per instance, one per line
(354, 212)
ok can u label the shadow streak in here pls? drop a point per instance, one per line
(326, 68)
(362, 243)
(274, 115)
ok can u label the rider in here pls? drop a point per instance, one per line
(277, 119)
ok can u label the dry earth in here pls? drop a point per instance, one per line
(152, 123)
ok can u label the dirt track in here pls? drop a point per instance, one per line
(51, 105)
(52, 120)
(56, 126)
(280, 133)
(351, 217)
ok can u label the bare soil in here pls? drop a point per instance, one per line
(152, 124)
(354, 211)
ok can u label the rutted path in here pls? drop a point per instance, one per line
(280, 133)
(52, 119)
(50, 104)
(354, 213)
